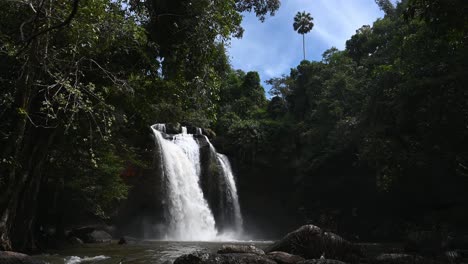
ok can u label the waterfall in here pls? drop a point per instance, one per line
(231, 192)
(190, 147)
(194, 210)
(189, 215)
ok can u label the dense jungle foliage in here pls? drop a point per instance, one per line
(370, 140)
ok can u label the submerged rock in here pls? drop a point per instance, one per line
(284, 258)
(10, 257)
(226, 249)
(228, 258)
(311, 242)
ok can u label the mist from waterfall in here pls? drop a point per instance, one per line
(189, 217)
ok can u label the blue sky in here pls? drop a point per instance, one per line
(272, 48)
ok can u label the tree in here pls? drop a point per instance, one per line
(303, 24)
(65, 69)
(261, 8)
(386, 6)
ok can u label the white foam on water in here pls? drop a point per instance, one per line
(77, 260)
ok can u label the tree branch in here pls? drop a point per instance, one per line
(57, 26)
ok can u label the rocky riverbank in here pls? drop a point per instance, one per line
(307, 245)
(310, 245)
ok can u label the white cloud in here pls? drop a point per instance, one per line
(272, 47)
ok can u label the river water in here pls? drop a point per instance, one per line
(146, 252)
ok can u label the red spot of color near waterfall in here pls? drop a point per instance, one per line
(130, 171)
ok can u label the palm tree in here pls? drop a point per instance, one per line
(303, 24)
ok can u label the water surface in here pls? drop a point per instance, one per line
(145, 252)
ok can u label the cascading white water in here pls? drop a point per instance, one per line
(189, 217)
(231, 191)
(190, 147)
(188, 213)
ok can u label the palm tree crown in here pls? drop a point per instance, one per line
(303, 24)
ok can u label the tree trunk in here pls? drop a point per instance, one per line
(21, 146)
(18, 216)
(303, 45)
(24, 229)
(15, 181)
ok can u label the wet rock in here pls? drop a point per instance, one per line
(209, 133)
(122, 241)
(10, 257)
(98, 236)
(311, 242)
(173, 128)
(401, 259)
(81, 232)
(128, 240)
(321, 261)
(284, 258)
(225, 249)
(228, 258)
(191, 129)
(75, 241)
(451, 257)
(90, 234)
(459, 242)
(425, 242)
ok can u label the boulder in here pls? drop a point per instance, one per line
(425, 242)
(128, 240)
(98, 236)
(228, 258)
(173, 128)
(90, 234)
(401, 259)
(75, 241)
(10, 257)
(81, 232)
(459, 242)
(311, 242)
(284, 258)
(209, 133)
(451, 257)
(191, 129)
(321, 261)
(226, 249)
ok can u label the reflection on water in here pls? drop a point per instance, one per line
(146, 252)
